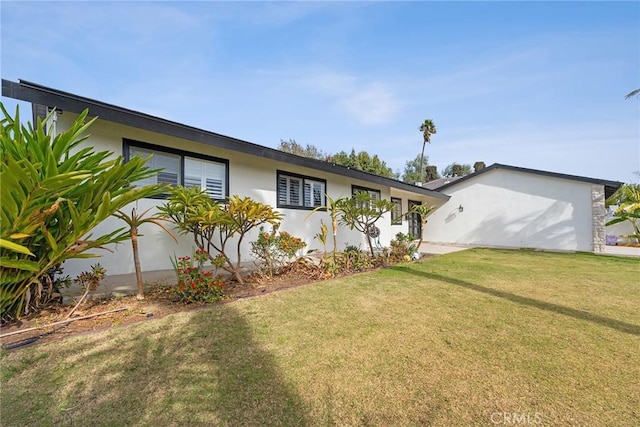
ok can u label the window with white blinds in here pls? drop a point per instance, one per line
(374, 194)
(181, 168)
(206, 175)
(169, 163)
(298, 191)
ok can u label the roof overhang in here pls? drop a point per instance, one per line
(610, 187)
(37, 94)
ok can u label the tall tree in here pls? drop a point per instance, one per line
(457, 169)
(478, 166)
(427, 128)
(413, 173)
(310, 151)
(364, 162)
(632, 94)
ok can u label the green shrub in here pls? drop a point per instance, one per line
(274, 251)
(194, 283)
(401, 248)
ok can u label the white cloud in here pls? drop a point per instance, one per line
(372, 104)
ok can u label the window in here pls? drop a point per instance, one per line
(181, 168)
(396, 212)
(297, 191)
(374, 194)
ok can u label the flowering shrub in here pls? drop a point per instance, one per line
(402, 248)
(274, 250)
(195, 284)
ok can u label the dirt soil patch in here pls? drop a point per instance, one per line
(157, 304)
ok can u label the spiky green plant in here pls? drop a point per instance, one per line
(55, 191)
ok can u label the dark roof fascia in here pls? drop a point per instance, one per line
(38, 94)
(610, 186)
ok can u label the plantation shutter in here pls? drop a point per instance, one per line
(206, 175)
(169, 163)
(314, 194)
(290, 190)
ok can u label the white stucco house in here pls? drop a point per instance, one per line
(222, 166)
(499, 206)
(514, 207)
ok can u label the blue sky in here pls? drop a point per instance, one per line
(531, 84)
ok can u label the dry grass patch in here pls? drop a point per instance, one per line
(452, 341)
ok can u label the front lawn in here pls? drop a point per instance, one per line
(478, 337)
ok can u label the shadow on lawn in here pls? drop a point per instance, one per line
(204, 370)
(618, 325)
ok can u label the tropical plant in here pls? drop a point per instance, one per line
(135, 221)
(194, 284)
(632, 94)
(427, 128)
(333, 209)
(457, 169)
(423, 211)
(54, 193)
(627, 200)
(402, 248)
(89, 281)
(275, 250)
(361, 212)
(214, 224)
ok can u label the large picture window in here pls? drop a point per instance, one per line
(298, 191)
(182, 168)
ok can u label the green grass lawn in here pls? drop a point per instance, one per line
(473, 338)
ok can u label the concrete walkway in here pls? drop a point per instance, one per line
(622, 251)
(439, 249)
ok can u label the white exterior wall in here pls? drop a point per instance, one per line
(506, 208)
(249, 175)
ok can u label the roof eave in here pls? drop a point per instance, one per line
(38, 94)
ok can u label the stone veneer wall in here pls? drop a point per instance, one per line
(598, 212)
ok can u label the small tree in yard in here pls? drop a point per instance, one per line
(423, 211)
(333, 209)
(134, 221)
(54, 193)
(362, 211)
(214, 224)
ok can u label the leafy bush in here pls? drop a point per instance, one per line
(54, 192)
(402, 247)
(194, 283)
(214, 225)
(276, 250)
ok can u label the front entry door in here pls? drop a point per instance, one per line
(415, 226)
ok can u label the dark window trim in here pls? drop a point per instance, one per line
(127, 143)
(303, 178)
(356, 188)
(396, 219)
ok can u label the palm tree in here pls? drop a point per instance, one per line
(134, 221)
(427, 128)
(632, 94)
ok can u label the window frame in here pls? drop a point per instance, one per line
(127, 144)
(356, 188)
(396, 214)
(304, 179)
